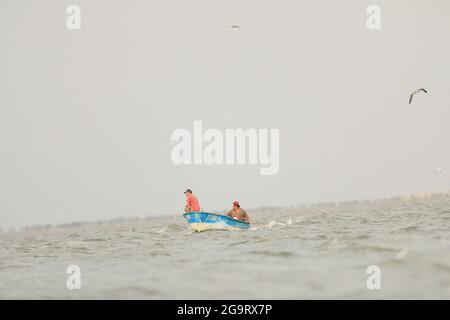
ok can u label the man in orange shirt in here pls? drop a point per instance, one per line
(192, 203)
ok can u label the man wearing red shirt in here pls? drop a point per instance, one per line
(192, 203)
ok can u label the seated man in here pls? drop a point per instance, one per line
(238, 213)
(192, 203)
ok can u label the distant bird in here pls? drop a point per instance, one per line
(235, 27)
(416, 92)
(438, 170)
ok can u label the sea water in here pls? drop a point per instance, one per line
(318, 252)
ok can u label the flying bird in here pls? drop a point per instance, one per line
(235, 27)
(416, 92)
(438, 170)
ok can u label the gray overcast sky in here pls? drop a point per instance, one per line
(86, 116)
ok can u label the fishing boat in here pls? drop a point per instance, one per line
(200, 221)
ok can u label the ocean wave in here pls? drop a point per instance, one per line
(270, 253)
(171, 227)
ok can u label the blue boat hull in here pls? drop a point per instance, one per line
(201, 221)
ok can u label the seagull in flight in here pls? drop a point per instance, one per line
(438, 170)
(416, 92)
(235, 27)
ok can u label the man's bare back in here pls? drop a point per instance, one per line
(239, 213)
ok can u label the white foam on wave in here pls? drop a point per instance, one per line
(75, 243)
(401, 254)
(163, 229)
(273, 223)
